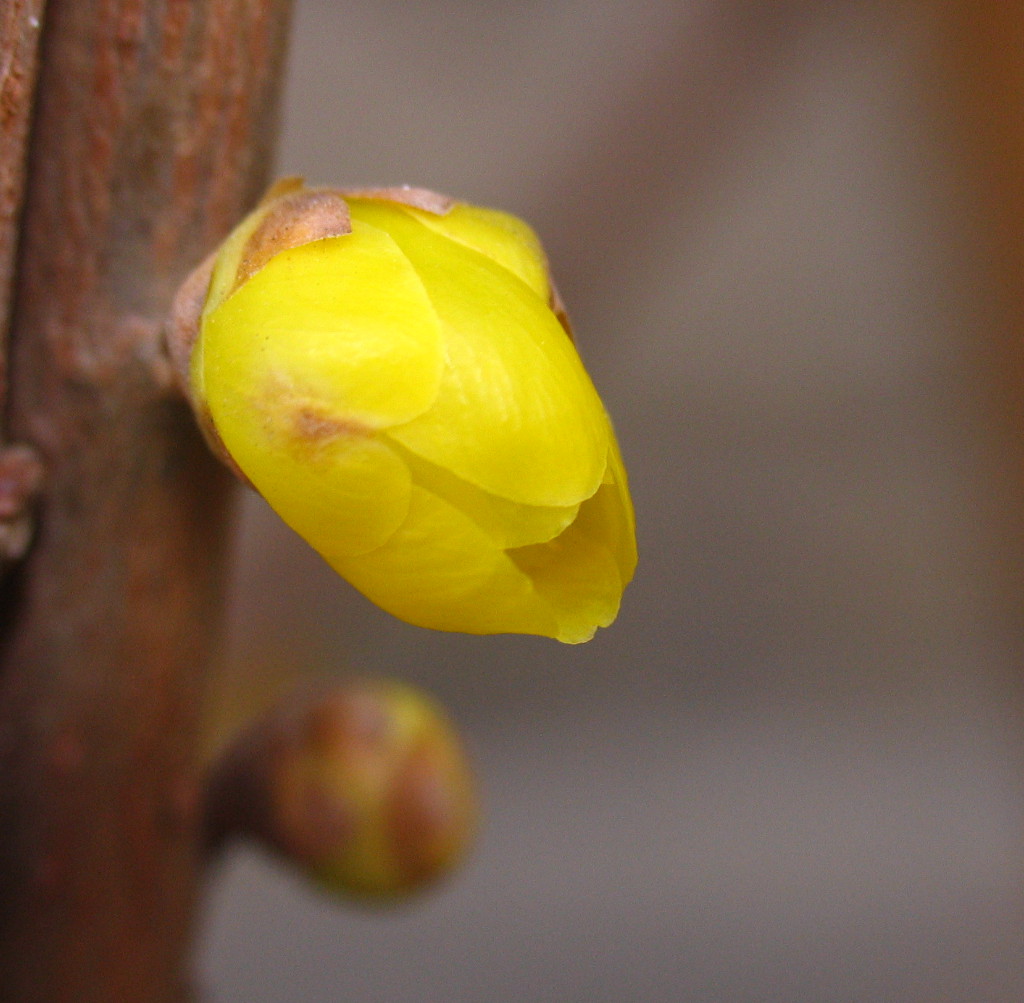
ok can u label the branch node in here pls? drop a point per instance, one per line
(21, 479)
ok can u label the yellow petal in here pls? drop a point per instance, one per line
(516, 414)
(503, 238)
(342, 490)
(326, 344)
(579, 574)
(609, 516)
(440, 570)
(344, 322)
(506, 523)
(443, 570)
(225, 268)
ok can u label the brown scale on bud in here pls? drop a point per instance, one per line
(558, 308)
(418, 198)
(288, 216)
(421, 814)
(293, 219)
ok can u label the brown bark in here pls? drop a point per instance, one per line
(20, 23)
(20, 28)
(153, 127)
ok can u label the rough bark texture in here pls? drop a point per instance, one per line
(152, 132)
(20, 23)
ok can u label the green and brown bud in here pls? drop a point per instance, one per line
(366, 789)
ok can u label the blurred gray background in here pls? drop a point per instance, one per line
(793, 770)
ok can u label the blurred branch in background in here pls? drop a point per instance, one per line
(982, 57)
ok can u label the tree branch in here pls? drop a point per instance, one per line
(20, 473)
(20, 23)
(152, 136)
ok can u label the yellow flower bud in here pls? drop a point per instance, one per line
(390, 370)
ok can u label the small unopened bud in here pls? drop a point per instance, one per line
(366, 789)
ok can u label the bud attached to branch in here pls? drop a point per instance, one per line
(364, 788)
(393, 372)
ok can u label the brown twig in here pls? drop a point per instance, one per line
(20, 25)
(20, 28)
(152, 133)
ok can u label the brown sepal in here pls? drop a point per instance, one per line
(418, 198)
(292, 220)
